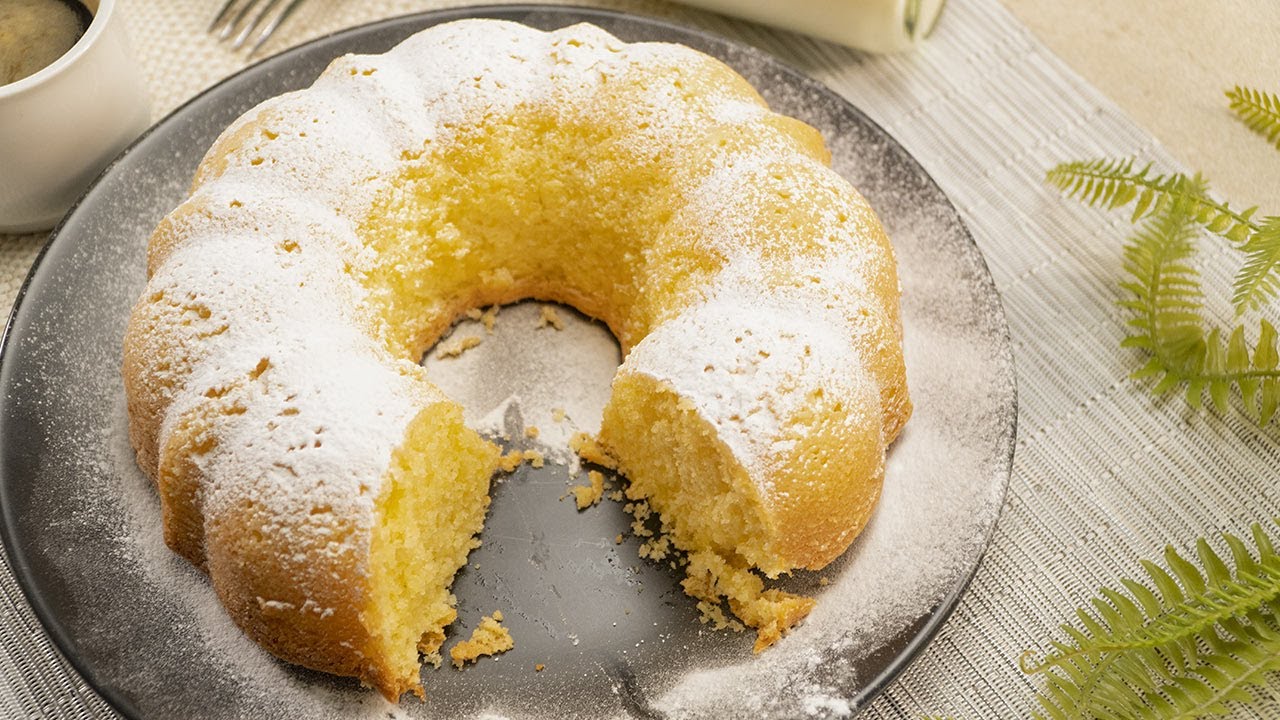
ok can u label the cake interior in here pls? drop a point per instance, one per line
(491, 220)
(709, 507)
(431, 507)
(675, 460)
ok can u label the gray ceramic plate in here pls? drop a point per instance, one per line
(615, 634)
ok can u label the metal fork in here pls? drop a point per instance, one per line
(238, 17)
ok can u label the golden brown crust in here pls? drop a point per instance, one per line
(303, 611)
(827, 485)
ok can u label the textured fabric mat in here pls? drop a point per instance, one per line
(1104, 474)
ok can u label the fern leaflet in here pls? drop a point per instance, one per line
(1259, 278)
(1198, 636)
(1166, 295)
(1115, 183)
(1166, 300)
(1260, 111)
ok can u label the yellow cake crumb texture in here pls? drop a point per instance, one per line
(489, 318)
(489, 638)
(656, 548)
(550, 317)
(588, 448)
(588, 495)
(641, 512)
(430, 510)
(454, 347)
(710, 613)
(533, 457)
(772, 613)
(510, 460)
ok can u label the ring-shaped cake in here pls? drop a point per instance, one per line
(304, 460)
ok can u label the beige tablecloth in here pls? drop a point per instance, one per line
(1104, 473)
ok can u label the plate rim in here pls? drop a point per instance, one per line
(936, 617)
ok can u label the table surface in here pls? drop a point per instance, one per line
(1167, 65)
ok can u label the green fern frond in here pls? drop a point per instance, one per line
(1196, 637)
(1166, 300)
(1166, 296)
(1115, 183)
(1260, 111)
(1258, 280)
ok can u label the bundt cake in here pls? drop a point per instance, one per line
(301, 455)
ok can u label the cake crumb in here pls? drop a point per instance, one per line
(588, 495)
(640, 511)
(656, 548)
(490, 318)
(618, 540)
(550, 317)
(510, 461)
(475, 313)
(823, 581)
(489, 638)
(557, 414)
(711, 613)
(532, 431)
(589, 449)
(539, 667)
(616, 496)
(711, 578)
(432, 640)
(454, 348)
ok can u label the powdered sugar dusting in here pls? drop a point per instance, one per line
(750, 364)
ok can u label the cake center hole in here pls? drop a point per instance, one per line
(566, 579)
(529, 365)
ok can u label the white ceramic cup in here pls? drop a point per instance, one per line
(875, 25)
(62, 125)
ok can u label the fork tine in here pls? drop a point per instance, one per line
(249, 27)
(275, 23)
(235, 22)
(222, 14)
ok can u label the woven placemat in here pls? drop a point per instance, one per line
(1104, 473)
